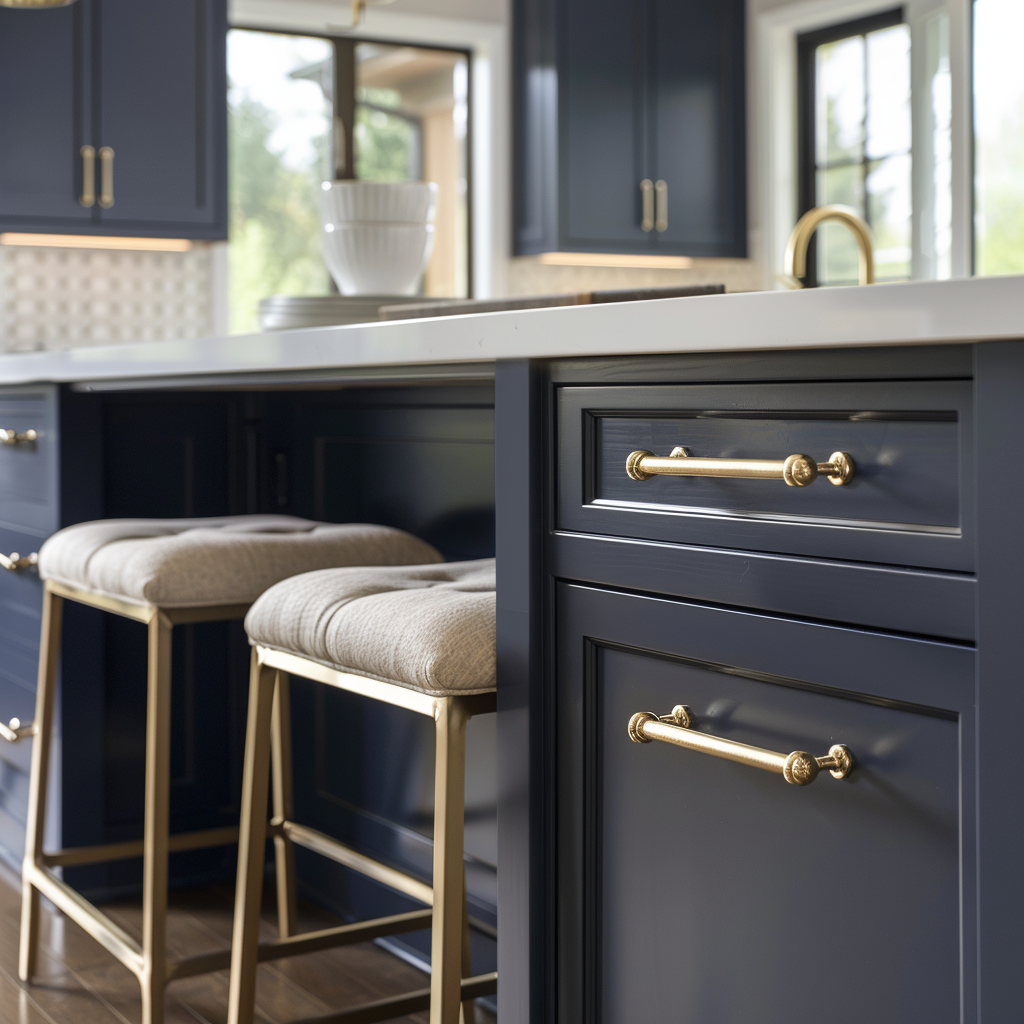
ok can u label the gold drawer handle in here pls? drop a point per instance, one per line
(14, 561)
(797, 470)
(798, 768)
(106, 177)
(16, 731)
(88, 196)
(14, 437)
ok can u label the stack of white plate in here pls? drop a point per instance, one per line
(291, 312)
(377, 236)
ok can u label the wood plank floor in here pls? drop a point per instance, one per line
(79, 982)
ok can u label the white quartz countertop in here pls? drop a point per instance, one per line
(969, 310)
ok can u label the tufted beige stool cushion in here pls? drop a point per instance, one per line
(426, 627)
(182, 563)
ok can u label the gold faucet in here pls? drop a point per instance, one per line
(800, 239)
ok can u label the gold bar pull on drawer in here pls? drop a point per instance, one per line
(9, 436)
(798, 768)
(16, 731)
(797, 470)
(14, 561)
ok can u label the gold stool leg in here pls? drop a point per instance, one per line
(449, 808)
(469, 1006)
(284, 810)
(251, 844)
(157, 815)
(46, 693)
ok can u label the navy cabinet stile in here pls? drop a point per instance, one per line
(133, 94)
(616, 99)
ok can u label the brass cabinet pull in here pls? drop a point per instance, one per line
(797, 470)
(798, 768)
(13, 562)
(661, 201)
(15, 731)
(106, 177)
(88, 196)
(9, 436)
(647, 194)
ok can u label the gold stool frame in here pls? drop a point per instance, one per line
(147, 961)
(268, 737)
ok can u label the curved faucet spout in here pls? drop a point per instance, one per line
(800, 239)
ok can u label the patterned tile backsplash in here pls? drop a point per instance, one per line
(63, 298)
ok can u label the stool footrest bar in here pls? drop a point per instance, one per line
(309, 942)
(326, 846)
(109, 935)
(133, 847)
(400, 1006)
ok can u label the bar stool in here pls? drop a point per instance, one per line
(418, 637)
(163, 572)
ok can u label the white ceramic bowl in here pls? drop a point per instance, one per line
(377, 259)
(403, 202)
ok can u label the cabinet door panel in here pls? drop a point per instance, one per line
(698, 126)
(602, 99)
(161, 87)
(698, 889)
(42, 116)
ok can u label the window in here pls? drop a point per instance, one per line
(303, 109)
(998, 137)
(855, 141)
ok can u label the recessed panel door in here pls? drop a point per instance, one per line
(696, 889)
(43, 110)
(697, 127)
(601, 122)
(162, 100)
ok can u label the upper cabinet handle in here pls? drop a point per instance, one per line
(797, 470)
(647, 195)
(11, 436)
(798, 768)
(661, 201)
(14, 562)
(16, 731)
(88, 196)
(106, 177)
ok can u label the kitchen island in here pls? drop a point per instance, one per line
(635, 880)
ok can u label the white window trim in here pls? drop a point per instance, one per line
(488, 43)
(774, 129)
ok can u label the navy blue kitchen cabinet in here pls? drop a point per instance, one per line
(648, 881)
(114, 119)
(416, 458)
(630, 127)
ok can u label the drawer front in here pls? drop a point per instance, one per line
(908, 501)
(697, 889)
(28, 469)
(20, 614)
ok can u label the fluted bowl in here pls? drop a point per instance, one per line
(377, 259)
(401, 202)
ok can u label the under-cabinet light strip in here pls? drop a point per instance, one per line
(97, 242)
(610, 259)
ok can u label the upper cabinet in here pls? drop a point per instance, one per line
(113, 119)
(630, 127)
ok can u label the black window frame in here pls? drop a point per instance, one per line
(807, 165)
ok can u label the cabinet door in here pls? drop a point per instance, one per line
(601, 123)
(698, 125)
(43, 124)
(695, 889)
(161, 85)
